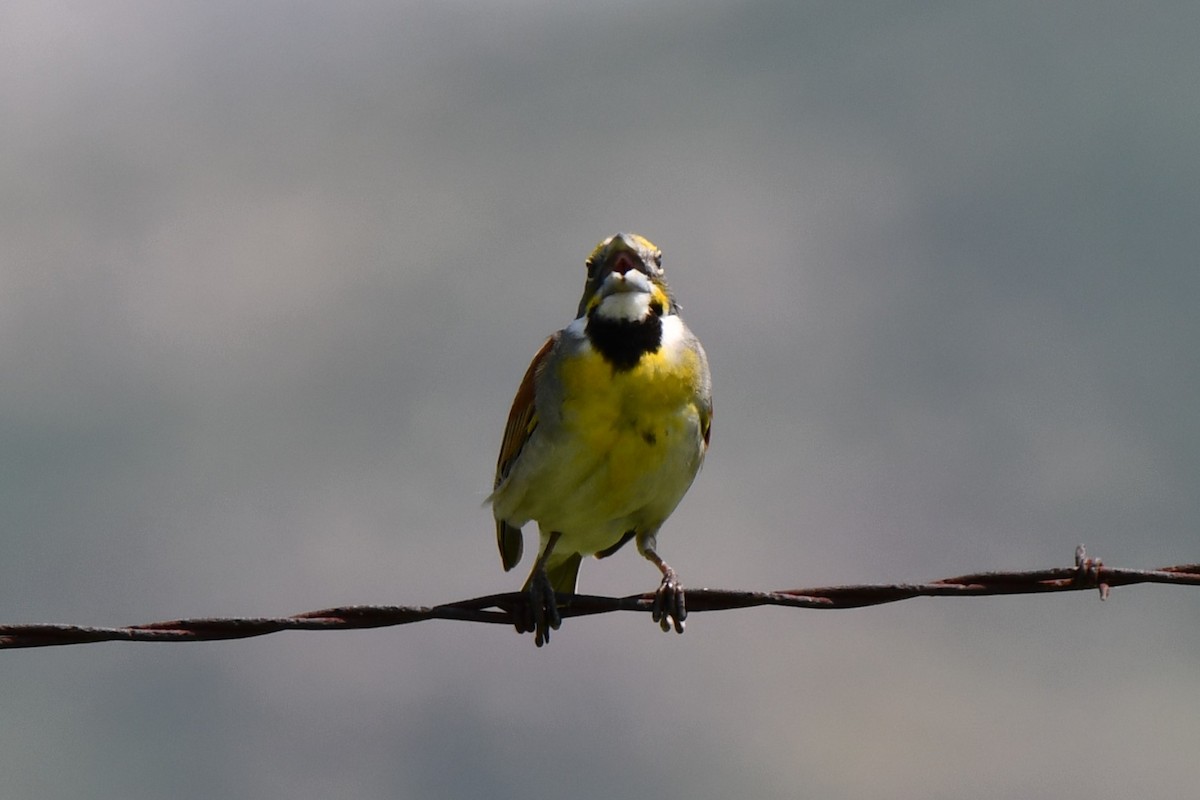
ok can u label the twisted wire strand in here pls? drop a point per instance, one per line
(1088, 573)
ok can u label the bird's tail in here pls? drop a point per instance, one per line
(563, 573)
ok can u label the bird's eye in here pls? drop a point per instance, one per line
(658, 258)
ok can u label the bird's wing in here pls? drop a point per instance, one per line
(522, 420)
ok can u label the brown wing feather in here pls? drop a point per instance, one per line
(522, 419)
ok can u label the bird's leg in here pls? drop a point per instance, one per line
(541, 608)
(669, 607)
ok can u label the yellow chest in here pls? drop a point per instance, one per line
(634, 413)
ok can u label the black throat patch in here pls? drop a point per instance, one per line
(624, 342)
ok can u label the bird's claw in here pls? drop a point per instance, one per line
(669, 609)
(539, 611)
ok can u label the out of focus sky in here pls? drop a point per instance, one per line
(270, 274)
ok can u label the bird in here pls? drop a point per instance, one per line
(608, 429)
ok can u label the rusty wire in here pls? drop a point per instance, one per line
(1088, 573)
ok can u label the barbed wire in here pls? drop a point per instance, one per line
(1088, 573)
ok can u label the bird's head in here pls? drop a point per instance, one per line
(625, 281)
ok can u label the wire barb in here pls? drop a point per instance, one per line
(1087, 573)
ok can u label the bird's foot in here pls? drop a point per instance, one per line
(538, 613)
(669, 609)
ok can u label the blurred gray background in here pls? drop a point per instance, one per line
(270, 273)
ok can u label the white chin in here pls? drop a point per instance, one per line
(628, 306)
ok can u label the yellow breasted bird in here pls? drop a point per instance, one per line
(608, 429)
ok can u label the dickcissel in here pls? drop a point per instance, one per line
(608, 429)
